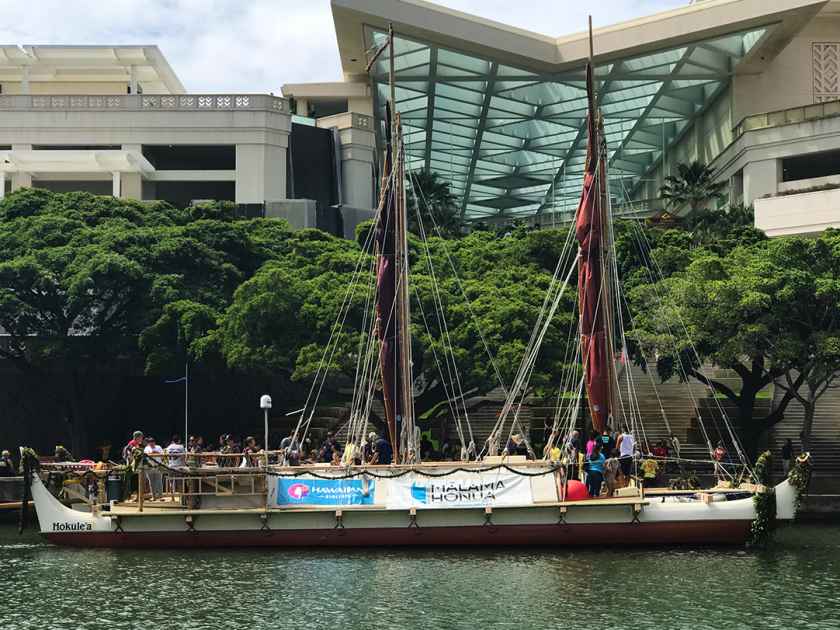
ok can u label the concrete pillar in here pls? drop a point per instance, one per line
(2, 184)
(260, 173)
(131, 186)
(302, 107)
(357, 160)
(24, 81)
(761, 178)
(21, 180)
(115, 180)
(357, 154)
(132, 81)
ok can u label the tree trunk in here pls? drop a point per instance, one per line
(807, 424)
(750, 432)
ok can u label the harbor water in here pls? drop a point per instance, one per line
(796, 584)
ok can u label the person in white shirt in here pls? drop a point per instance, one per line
(626, 444)
(176, 453)
(153, 475)
(176, 457)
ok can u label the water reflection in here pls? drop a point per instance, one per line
(795, 585)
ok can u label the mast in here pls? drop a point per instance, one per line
(403, 304)
(596, 308)
(393, 314)
(607, 250)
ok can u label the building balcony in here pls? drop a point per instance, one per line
(784, 117)
(807, 210)
(144, 102)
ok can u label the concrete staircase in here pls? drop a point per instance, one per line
(680, 402)
(672, 407)
(825, 437)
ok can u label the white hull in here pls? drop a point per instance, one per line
(650, 520)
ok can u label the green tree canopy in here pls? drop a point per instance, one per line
(82, 277)
(283, 318)
(763, 311)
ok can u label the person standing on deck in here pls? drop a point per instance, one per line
(787, 455)
(176, 457)
(607, 441)
(382, 453)
(154, 477)
(612, 472)
(329, 447)
(626, 445)
(517, 445)
(290, 449)
(590, 444)
(250, 454)
(196, 448)
(595, 472)
(367, 447)
(175, 453)
(650, 470)
(232, 448)
(719, 456)
(573, 445)
(136, 442)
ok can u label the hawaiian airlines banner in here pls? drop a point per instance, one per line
(299, 491)
(503, 489)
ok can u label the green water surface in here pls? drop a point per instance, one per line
(794, 585)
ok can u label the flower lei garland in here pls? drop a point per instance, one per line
(761, 530)
(800, 477)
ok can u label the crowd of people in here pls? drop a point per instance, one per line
(608, 460)
(605, 461)
(232, 452)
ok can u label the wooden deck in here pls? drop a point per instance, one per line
(160, 509)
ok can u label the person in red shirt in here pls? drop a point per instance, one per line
(133, 444)
(661, 450)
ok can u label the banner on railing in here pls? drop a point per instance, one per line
(299, 491)
(494, 489)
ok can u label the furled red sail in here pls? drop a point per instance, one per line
(386, 304)
(589, 231)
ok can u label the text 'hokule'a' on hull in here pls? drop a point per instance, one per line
(492, 496)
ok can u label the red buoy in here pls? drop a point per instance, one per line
(576, 491)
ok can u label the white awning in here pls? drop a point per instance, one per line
(144, 65)
(73, 161)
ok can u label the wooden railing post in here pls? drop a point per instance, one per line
(140, 486)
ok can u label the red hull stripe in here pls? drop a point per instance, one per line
(690, 532)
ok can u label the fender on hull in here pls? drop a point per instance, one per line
(726, 532)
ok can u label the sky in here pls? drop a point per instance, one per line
(258, 45)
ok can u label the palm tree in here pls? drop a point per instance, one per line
(438, 206)
(693, 185)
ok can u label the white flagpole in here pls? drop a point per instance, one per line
(186, 402)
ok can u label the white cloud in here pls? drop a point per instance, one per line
(257, 45)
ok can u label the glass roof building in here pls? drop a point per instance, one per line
(499, 112)
(512, 140)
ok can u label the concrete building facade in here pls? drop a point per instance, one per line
(749, 87)
(118, 121)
